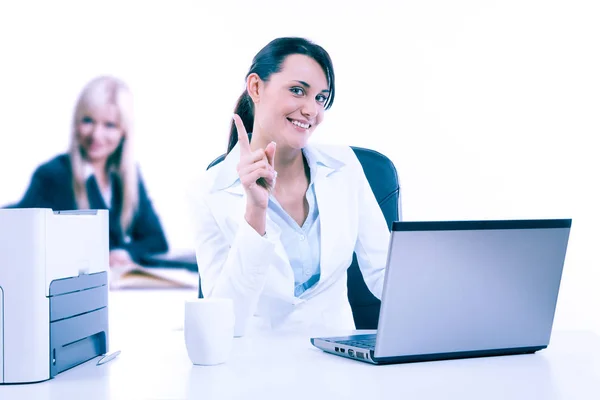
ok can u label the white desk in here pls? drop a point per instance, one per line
(147, 327)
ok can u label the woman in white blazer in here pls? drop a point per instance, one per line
(278, 220)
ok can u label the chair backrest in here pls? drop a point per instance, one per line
(383, 179)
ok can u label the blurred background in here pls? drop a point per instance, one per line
(489, 109)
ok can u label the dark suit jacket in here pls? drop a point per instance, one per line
(51, 187)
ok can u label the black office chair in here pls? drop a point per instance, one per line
(383, 178)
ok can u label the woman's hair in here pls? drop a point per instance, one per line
(100, 92)
(268, 61)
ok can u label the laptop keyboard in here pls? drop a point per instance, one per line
(362, 343)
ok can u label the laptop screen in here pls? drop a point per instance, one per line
(470, 285)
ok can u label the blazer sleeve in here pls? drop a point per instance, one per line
(373, 236)
(235, 270)
(147, 234)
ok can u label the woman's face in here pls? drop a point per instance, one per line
(99, 133)
(291, 103)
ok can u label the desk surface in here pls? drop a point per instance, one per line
(147, 326)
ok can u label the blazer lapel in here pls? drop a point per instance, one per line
(329, 214)
(331, 211)
(240, 199)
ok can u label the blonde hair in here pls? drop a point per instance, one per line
(100, 92)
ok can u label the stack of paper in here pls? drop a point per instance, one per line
(138, 277)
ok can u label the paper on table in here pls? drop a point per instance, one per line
(136, 276)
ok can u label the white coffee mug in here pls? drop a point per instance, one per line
(208, 330)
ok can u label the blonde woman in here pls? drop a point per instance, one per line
(99, 172)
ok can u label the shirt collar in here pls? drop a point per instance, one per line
(320, 163)
(88, 170)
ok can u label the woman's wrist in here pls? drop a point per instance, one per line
(257, 219)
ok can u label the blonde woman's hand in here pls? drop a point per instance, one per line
(257, 175)
(119, 258)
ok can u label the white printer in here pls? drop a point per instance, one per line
(53, 291)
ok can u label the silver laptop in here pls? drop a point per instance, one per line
(458, 289)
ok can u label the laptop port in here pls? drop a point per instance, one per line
(337, 349)
(351, 352)
(342, 350)
(360, 355)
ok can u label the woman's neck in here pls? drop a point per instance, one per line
(289, 162)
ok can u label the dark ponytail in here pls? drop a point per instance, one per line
(267, 62)
(245, 109)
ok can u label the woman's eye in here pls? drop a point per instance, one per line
(110, 125)
(87, 120)
(297, 91)
(321, 98)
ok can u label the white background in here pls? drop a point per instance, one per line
(489, 108)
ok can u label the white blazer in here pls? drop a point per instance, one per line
(234, 261)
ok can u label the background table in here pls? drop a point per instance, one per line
(148, 327)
